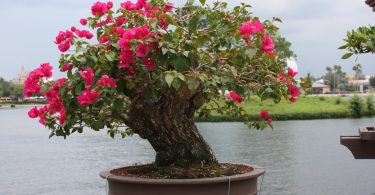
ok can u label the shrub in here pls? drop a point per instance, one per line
(356, 106)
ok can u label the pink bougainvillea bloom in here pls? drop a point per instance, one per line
(234, 96)
(251, 28)
(294, 91)
(31, 87)
(292, 100)
(282, 76)
(120, 21)
(291, 73)
(88, 77)
(263, 114)
(128, 5)
(267, 44)
(107, 81)
(42, 120)
(87, 97)
(168, 7)
(142, 50)
(73, 28)
(45, 70)
(149, 62)
(120, 31)
(104, 39)
(62, 117)
(33, 112)
(83, 21)
(66, 67)
(269, 121)
(99, 8)
(60, 82)
(64, 47)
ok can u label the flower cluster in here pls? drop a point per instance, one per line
(265, 116)
(31, 85)
(232, 95)
(293, 90)
(127, 55)
(99, 8)
(250, 28)
(52, 95)
(64, 40)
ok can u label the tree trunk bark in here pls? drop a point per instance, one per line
(168, 124)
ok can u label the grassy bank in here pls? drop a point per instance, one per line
(308, 107)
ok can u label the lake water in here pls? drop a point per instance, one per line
(300, 157)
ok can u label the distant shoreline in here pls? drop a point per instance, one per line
(8, 106)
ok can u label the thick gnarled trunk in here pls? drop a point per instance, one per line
(168, 124)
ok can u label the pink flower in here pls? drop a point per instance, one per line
(31, 84)
(234, 96)
(269, 121)
(64, 40)
(45, 70)
(33, 113)
(88, 77)
(104, 39)
(87, 97)
(62, 117)
(120, 21)
(83, 21)
(84, 34)
(107, 81)
(294, 92)
(282, 76)
(128, 5)
(291, 73)
(267, 44)
(149, 62)
(168, 7)
(64, 47)
(251, 28)
(42, 120)
(66, 67)
(120, 31)
(60, 82)
(263, 114)
(99, 8)
(292, 100)
(142, 50)
(73, 28)
(31, 87)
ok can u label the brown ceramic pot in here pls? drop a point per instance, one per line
(244, 184)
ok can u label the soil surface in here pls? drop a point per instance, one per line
(152, 171)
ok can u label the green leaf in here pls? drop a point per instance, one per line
(346, 56)
(190, 2)
(343, 47)
(169, 79)
(176, 84)
(202, 2)
(180, 63)
(192, 84)
(110, 56)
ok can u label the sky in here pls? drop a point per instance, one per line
(315, 28)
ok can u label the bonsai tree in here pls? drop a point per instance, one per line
(149, 68)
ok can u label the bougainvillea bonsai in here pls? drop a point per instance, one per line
(149, 68)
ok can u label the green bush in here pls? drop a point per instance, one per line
(338, 101)
(370, 105)
(321, 98)
(356, 106)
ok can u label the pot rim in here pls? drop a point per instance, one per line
(124, 179)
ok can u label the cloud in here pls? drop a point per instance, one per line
(315, 28)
